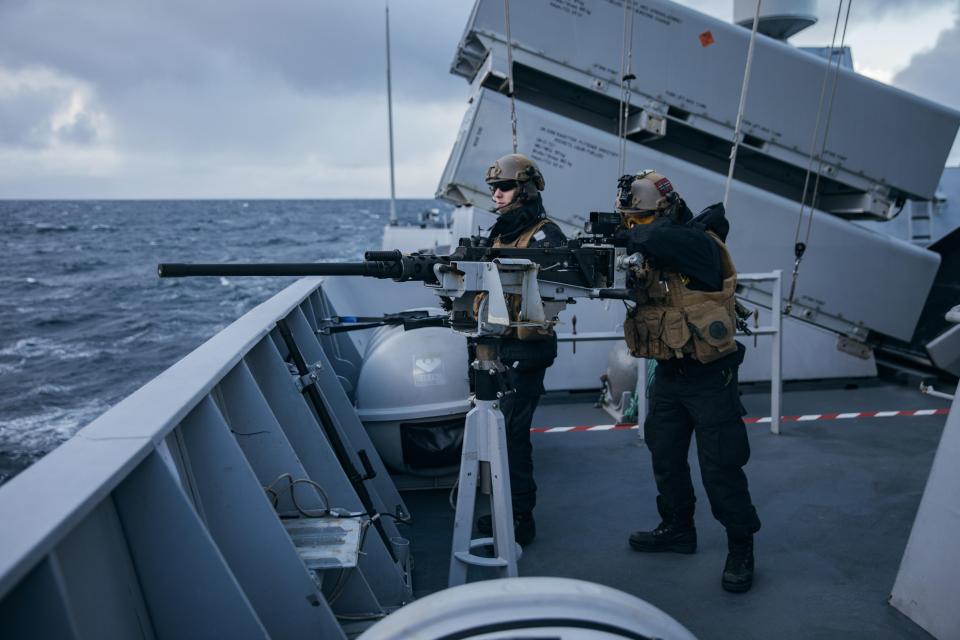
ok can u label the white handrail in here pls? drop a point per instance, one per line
(774, 330)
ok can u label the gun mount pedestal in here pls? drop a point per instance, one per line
(483, 464)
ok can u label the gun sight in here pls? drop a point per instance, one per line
(602, 223)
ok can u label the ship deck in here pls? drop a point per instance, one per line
(837, 498)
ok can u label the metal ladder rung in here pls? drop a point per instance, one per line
(479, 561)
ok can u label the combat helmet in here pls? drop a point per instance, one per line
(643, 196)
(516, 167)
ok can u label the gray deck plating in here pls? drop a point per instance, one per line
(837, 500)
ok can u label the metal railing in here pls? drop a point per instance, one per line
(775, 331)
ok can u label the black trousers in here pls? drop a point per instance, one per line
(703, 400)
(527, 363)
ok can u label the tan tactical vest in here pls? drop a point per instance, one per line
(672, 321)
(514, 301)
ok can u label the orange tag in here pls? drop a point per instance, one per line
(706, 39)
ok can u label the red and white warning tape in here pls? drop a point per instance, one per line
(852, 416)
(811, 417)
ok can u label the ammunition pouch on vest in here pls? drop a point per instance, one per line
(672, 321)
(514, 302)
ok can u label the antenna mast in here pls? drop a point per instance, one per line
(393, 191)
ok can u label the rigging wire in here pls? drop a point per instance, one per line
(513, 102)
(826, 128)
(626, 75)
(743, 103)
(801, 247)
(623, 58)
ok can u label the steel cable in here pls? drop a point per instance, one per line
(626, 75)
(743, 104)
(510, 88)
(801, 247)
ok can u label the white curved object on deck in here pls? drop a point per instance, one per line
(528, 607)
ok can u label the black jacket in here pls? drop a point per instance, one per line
(684, 247)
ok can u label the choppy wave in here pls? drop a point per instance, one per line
(46, 227)
(46, 348)
(10, 367)
(29, 437)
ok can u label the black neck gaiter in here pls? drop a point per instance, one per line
(510, 225)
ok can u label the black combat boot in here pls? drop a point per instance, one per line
(677, 536)
(524, 527)
(738, 572)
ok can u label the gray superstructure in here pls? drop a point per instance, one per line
(882, 142)
(884, 149)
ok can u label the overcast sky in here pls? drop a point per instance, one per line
(257, 99)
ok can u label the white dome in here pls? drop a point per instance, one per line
(779, 19)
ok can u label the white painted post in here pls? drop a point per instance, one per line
(776, 375)
(642, 399)
(774, 330)
(641, 392)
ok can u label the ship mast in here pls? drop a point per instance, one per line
(393, 191)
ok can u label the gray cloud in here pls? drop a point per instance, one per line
(25, 118)
(253, 77)
(876, 8)
(199, 96)
(311, 46)
(827, 8)
(932, 74)
(39, 108)
(82, 131)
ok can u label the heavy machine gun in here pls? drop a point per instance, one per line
(543, 279)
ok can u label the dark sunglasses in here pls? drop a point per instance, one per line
(505, 185)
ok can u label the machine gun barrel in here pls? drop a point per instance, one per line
(368, 268)
(584, 263)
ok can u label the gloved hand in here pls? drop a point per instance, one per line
(639, 234)
(622, 237)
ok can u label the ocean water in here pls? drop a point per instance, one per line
(85, 321)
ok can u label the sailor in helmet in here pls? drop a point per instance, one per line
(685, 319)
(515, 184)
